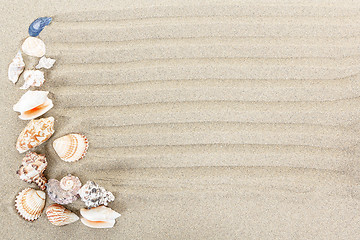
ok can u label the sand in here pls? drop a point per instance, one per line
(212, 120)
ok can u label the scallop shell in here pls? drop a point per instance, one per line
(16, 67)
(71, 147)
(32, 169)
(33, 104)
(100, 213)
(33, 78)
(38, 25)
(59, 215)
(35, 133)
(93, 195)
(30, 203)
(98, 224)
(45, 62)
(33, 46)
(65, 191)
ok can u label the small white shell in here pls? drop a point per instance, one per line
(98, 224)
(30, 203)
(71, 147)
(45, 62)
(59, 216)
(33, 78)
(100, 213)
(33, 104)
(16, 67)
(33, 46)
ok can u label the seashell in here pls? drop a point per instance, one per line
(33, 104)
(45, 62)
(30, 203)
(71, 147)
(98, 224)
(100, 213)
(38, 25)
(35, 133)
(32, 169)
(16, 67)
(33, 46)
(65, 191)
(93, 195)
(59, 215)
(33, 78)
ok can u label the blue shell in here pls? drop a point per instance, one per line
(38, 25)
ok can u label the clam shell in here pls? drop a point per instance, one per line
(30, 203)
(45, 62)
(100, 213)
(33, 104)
(33, 78)
(59, 215)
(71, 147)
(16, 67)
(98, 224)
(33, 46)
(61, 195)
(38, 25)
(35, 133)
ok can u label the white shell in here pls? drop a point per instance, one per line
(30, 203)
(33, 78)
(16, 67)
(98, 224)
(93, 195)
(33, 104)
(71, 147)
(45, 62)
(59, 215)
(33, 46)
(100, 213)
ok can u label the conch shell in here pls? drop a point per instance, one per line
(65, 191)
(71, 147)
(33, 78)
(98, 224)
(100, 213)
(93, 195)
(32, 169)
(33, 104)
(30, 203)
(45, 62)
(35, 133)
(38, 25)
(16, 67)
(33, 46)
(59, 215)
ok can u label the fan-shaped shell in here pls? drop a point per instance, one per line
(59, 215)
(16, 67)
(38, 25)
(33, 46)
(30, 203)
(98, 224)
(33, 78)
(35, 133)
(71, 147)
(64, 191)
(32, 169)
(100, 213)
(33, 104)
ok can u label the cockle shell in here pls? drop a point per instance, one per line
(32, 169)
(33, 78)
(33, 104)
(38, 25)
(33, 46)
(16, 67)
(71, 147)
(59, 215)
(100, 213)
(65, 191)
(45, 62)
(93, 195)
(35, 133)
(98, 224)
(30, 203)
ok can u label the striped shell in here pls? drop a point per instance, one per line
(59, 215)
(71, 147)
(30, 203)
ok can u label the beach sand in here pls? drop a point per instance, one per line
(212, 120)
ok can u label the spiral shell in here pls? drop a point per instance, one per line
(71, 147)
(33, 46)
(33, 78)
(30, 203)
(93, 195)
(38, 25)
(45, 62)
(65, 191)
(59, 215)
(16, 67)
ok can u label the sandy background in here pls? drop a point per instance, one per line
(219, 120)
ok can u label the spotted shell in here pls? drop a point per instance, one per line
(35, 133)
(71, 147)
(33, 46)
(59, 215)
(16, 67)
(30, 203)
(93, 195)
(64, 191)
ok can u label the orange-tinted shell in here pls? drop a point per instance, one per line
(59, 215)
(71, 147)
(30, 203)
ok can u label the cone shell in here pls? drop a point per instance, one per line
(59, 215)
(16, 67)
(33, 46)
(35, 133)
(98, 224)
(71, 147)
(33, 104)
(100, 213)
(30, 203)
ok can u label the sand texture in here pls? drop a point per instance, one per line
(207, 120)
